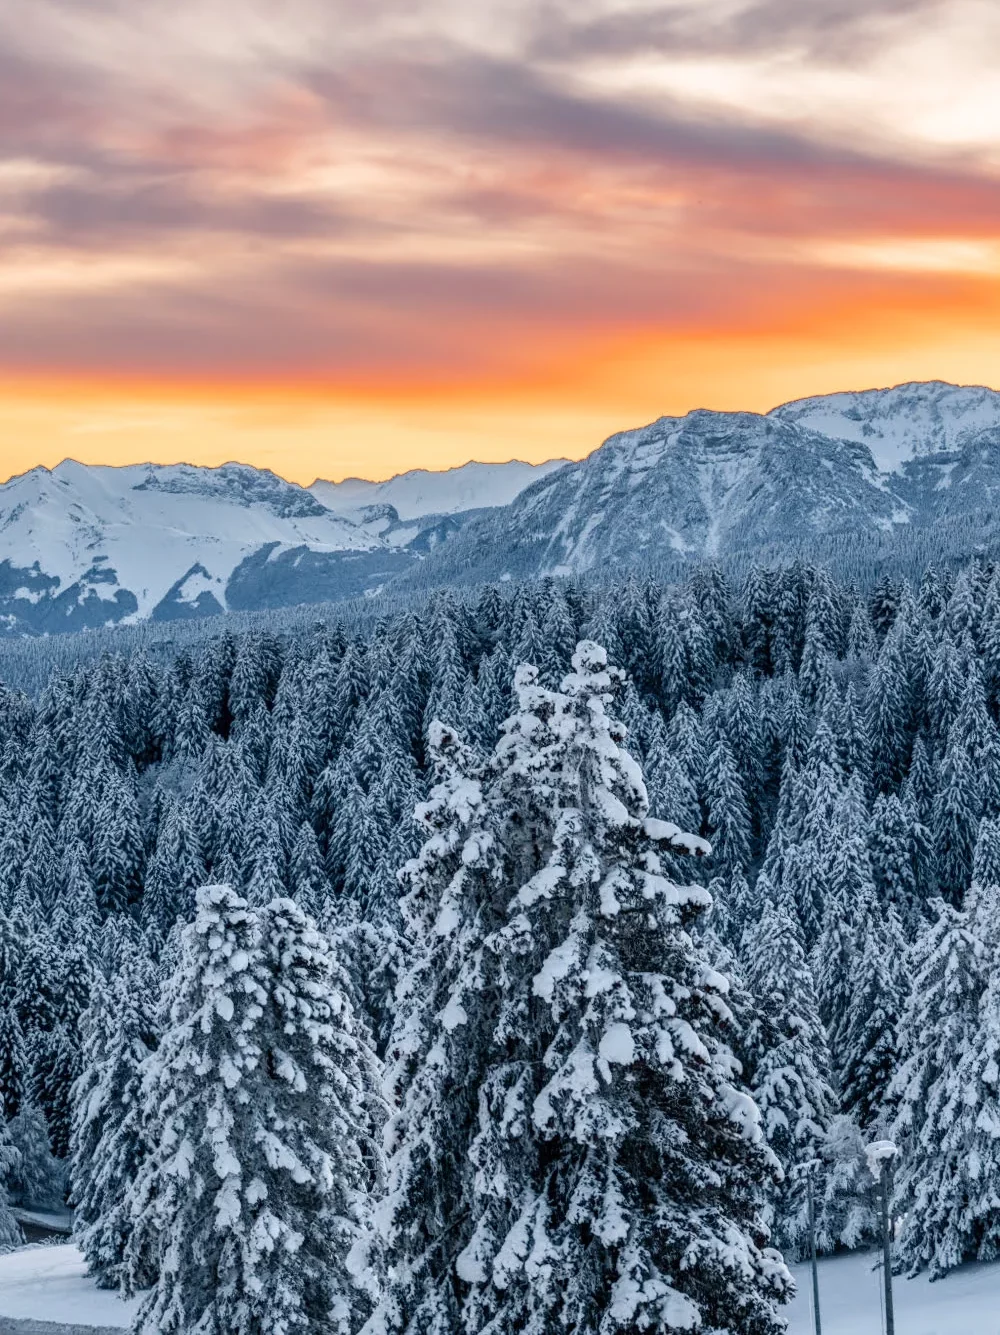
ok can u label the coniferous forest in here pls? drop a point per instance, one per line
(512, 963)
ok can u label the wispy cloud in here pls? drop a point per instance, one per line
(426, 192)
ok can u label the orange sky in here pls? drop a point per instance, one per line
(340, 244)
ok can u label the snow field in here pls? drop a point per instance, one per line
(966, 1302)
(51, 1284)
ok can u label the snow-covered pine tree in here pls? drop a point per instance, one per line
(867, 1040)
(956, 1211)
(38, 1178)
(10, 1158)
(947, 967)
(789, 1062)
(255, 1186)
(847, 1211)
(13, 1063)
(610, 1175)
(109, 1143)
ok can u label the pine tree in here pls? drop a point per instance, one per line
(13, 1063)
(789, 1062)
(948, 973)
(847, 1212)
(728, 813)
(893, 859)
(55, 1064)
(867, 1040)
(253, 1196)
(109, 1143)
(571, 1169)
(10, 1159)
(37, 1178)
(956, 817)
(889, 708)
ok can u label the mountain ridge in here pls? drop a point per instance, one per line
(873, 471)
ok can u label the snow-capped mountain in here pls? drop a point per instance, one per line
(420, 493)
(907, 422)
(827, 477)
(853, 478)
(81, 546)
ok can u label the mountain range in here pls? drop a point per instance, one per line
(886, 475)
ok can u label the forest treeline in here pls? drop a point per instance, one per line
(540, 959)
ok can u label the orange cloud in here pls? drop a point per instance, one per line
(357, 242)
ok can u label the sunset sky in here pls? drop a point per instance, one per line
(350, 237)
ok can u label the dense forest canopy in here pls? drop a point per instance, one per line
(838, 750)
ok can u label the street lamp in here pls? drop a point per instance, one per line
(880, 1154)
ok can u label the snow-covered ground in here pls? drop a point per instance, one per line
(967, 1302)
(50, 1284)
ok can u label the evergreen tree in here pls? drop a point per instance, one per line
(36, 1178)
(728, 814)
(109, 1143)
(573, 1186)
(956, 818)
(10, 1159)
(892, 852)
(948, 972)
(789, 1062)
(13, 1063)
(252, 1201)
(868, 1031)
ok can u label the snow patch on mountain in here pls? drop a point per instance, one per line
(413, 495)
(906, 422)
(157, 530)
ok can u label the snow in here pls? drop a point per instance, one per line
(850, 1297)
(50, 1284)
(421, 492)
(901, 423)
(152, 525)
(617, 1045)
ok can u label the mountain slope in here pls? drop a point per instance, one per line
(893, 477)
(420, 493)
(906, 422)
(801, 480)
(83, 546)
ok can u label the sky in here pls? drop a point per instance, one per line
(337, 238)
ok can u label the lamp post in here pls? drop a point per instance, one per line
(807, 1171)
(812, 1248)
(880, 1155)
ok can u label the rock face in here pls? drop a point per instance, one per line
(875, 476)
(880, 473)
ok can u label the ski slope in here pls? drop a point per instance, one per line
(49, 1283)
(967, 1302)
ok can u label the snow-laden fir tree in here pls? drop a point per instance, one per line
(947, 968)
(789, 1062)
(38, 1178)
(847, 1207)
(957, 1212)
(10, 1158)
(570, 1111)
(867, 1039)
(258, 1103)
(109, 1142)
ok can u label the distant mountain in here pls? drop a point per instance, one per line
(855, 478)
(898, 425)
(83, 546)
(888, 478)
(415, 495)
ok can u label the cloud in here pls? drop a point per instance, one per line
(421, 189)
(827, 30)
